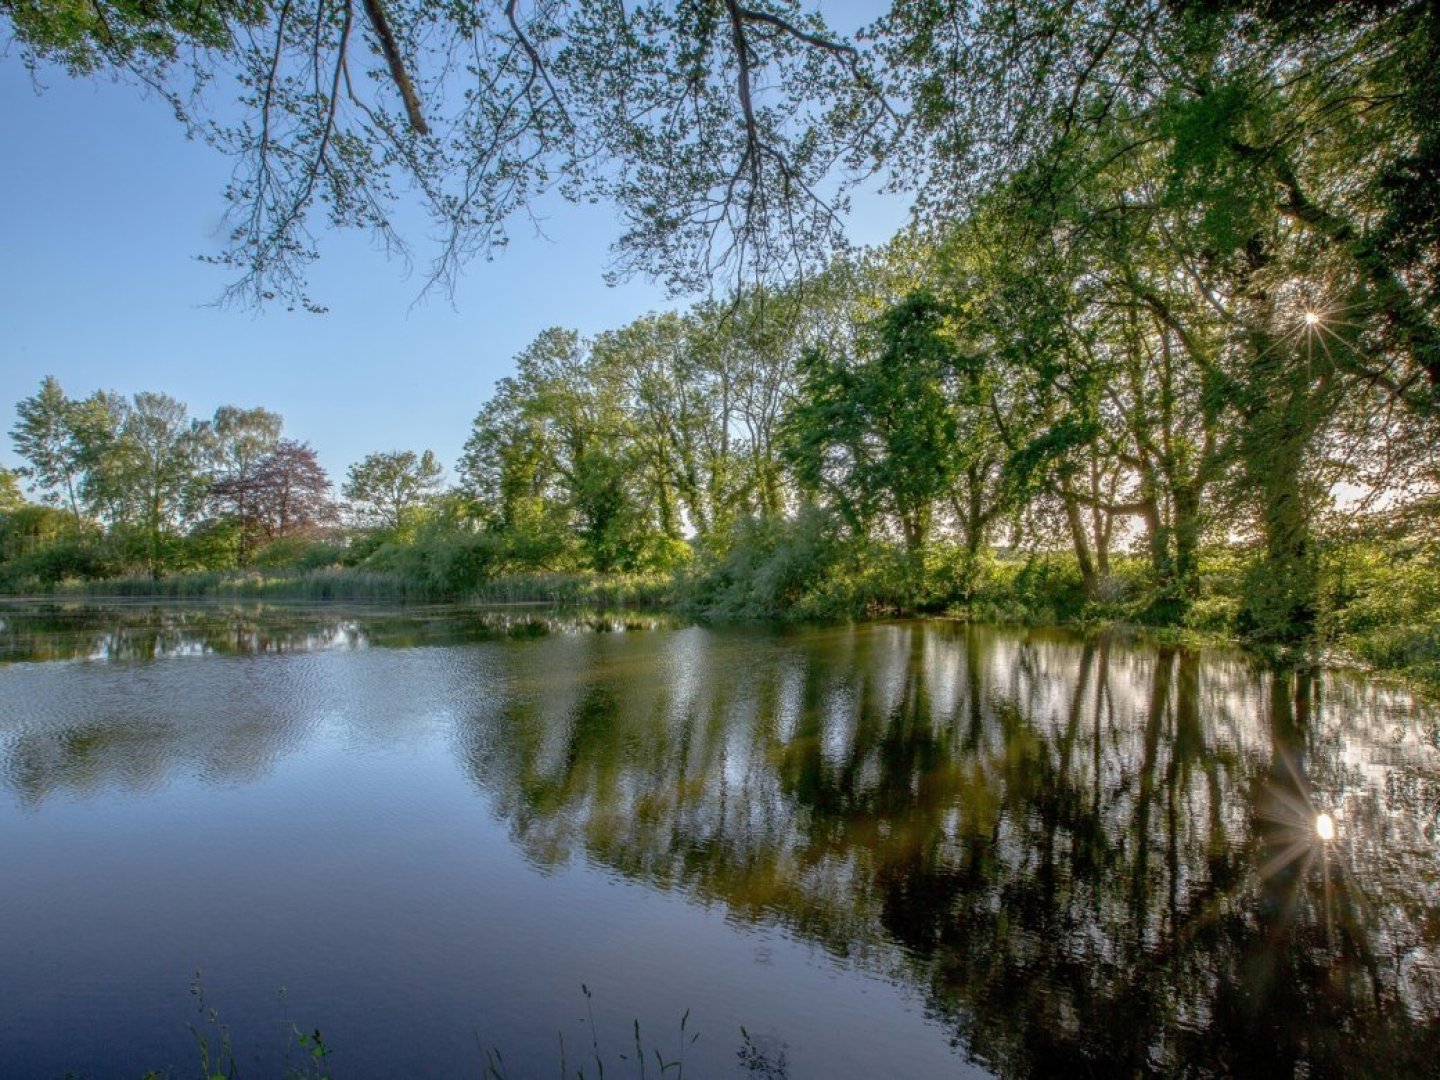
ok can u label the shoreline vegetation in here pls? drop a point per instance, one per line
(1377, 614)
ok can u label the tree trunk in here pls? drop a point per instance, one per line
(1089, 580)
(1187, 527)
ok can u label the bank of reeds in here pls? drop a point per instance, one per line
(583, 589)
(1380, 605)
(360, 585)
(331, 583)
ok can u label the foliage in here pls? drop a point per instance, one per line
(774, 568)
(283, 492)
(387, 490)
(1382, 603)
(11, 498)
(65, 443)
(878, 434)
(299, 553)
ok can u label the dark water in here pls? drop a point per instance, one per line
(905, 849)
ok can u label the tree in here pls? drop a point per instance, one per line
(283, 493)
(581, 468)
(151, 475)
(68, 444)
(237, 441)
(1219, 175)
(387, 488)
(11, 497)
(878, 434)
(677, 416)
(44, 435)
(292, 491)
(749, 349)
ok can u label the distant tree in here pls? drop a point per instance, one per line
(97, 423)
(11, 497)
(878, 435)
(386, 488)
(238, 438)
(292, 492)
(44, 435)
(556, 445)
(31, 528)
(236, 441)
(152, 474)
(68, 445)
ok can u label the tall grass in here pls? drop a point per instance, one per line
(639, 1057)
(342, 583)
(332, 583)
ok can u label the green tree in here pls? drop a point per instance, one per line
(748, 351)
(608, 442)
(386, 489)
(1209, 180)
(877, 435)
(44, 435)
(67, 444)
(152, 476)
(11, 497)
(682, 401)
(507, 469)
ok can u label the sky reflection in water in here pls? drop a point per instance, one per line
(908, 849)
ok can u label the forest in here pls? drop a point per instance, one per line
(1160, 347)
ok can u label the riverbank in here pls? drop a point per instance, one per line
(1379, 616)
(343, 584)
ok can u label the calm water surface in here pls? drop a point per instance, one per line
(908, 849)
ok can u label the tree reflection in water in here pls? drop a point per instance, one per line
(33, 631)
(1092, 858)
(1089, 857)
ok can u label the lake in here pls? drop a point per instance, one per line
(908, 849)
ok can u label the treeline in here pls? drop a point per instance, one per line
(137, 485)
(890, 437)
(967, 425)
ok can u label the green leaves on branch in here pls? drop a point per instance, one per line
(387, 489)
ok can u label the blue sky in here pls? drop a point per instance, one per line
(106, 204)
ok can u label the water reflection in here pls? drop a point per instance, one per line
(146, 630)
(1092, 858)
(1088, 857)
(90, 735)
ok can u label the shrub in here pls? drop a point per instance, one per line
(774, 568)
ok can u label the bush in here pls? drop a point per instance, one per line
(297, 553)
(1380, 603)
(774, 568)
(70, 559)
(210, 546)
(1042, 587)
